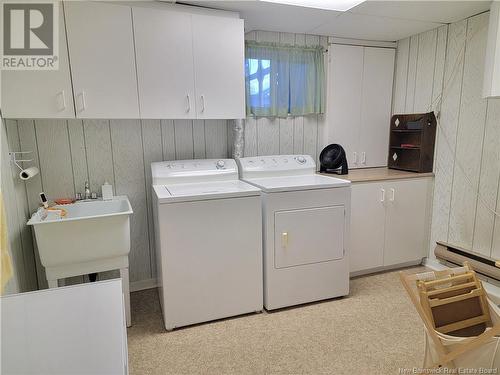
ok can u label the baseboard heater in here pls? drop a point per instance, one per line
(481, 264)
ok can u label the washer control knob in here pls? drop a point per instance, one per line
(220, 164)
(301, 159)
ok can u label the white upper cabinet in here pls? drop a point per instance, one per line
(189, 65)
(345, 91)
(359, 102)
(219, 50)
(165, 67)
(40, 94)
(101, 50)
(378, 73)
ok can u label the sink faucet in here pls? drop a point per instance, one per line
(87, 190)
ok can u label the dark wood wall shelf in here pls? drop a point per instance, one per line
(411, 142)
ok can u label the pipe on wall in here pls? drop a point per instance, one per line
(238, 138)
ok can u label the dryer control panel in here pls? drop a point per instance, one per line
(276, 165)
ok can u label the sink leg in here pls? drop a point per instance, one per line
(126, 294)
(53, 283)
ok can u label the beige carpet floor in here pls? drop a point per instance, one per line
(375, 330)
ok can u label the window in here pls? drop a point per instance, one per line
(283, 80)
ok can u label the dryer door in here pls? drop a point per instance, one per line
(307, 236)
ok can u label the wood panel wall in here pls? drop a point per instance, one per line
(291, 135)
(15, 206)
(70, 152)
(442, 70)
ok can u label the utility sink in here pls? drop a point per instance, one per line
(93, 236)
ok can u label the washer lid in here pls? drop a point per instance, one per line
(204, 191)
(293, 183)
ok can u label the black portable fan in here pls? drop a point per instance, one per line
(333, 160)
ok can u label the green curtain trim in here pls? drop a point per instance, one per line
(251, 43)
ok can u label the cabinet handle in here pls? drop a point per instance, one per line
(355, 157)
(82, 101)
(188, 109)
(284, 239)
(382, 195)
(202, 103)
(363, 157)
(61, 94)
(393, 195)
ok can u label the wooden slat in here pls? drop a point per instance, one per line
(216, 139)
(28, 142)
(425, 71)
(412, 74)
(23, 212)
(489, 185)
(401, 76)
(463, 324)
(183, 139)
(78, 155)
(168, 139)
(446, 135)
(99, 154)
(230, 138)
(153, 151)
(470, 135)
(55, 158)
(440, 59)
(128, 162)
(268, 136)
(199, 149)
(250, 136)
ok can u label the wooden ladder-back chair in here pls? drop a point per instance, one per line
(453, 305)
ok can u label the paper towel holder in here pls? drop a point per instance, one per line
(23, 175)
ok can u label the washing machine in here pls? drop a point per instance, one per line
(306, 220)
(208, 241)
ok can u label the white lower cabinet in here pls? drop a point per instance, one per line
(389, 223)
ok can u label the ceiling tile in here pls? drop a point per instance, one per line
(359, 26)
(274, 17)
(430, 11)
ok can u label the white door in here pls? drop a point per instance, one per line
(378, 72)
(40, 94)
(101, 50)
(218, 45)
(407, 221)
(308, 236)
(165, 71)
(367, 226)
(344, 99)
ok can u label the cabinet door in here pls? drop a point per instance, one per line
(218, 45)
(40, 94)
(165, 72)
(101, 50)
(367, 226)
(407, 221)
(308, 236)
(344, 99)
(378, 72)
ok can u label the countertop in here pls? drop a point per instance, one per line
(378, 174)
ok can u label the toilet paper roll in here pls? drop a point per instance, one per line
(28, 173)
